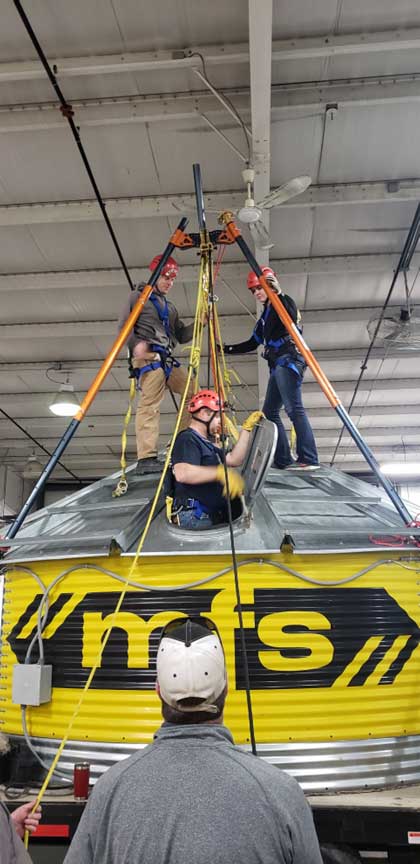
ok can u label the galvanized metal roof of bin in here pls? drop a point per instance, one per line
(311, 512)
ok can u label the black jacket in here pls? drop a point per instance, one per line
(270, 328)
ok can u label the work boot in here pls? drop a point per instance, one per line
(150, 465)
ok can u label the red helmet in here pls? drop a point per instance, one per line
(253, 281)
(204, 399)
(171, 267)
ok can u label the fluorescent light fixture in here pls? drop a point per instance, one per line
(33, 468)
(65, 403)
(401, 469)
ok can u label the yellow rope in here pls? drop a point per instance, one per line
(227, 374)
(122, 485)
(194, 363)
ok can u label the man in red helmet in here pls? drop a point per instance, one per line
(287, 367)
(151, 342)
(199, 481)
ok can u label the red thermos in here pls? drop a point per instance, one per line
(81, 772)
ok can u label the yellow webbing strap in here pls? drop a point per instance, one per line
(226, 376)
(293, 439)
(193, 366)
(122, 485)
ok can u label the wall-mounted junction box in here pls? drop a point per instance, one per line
(31, 684)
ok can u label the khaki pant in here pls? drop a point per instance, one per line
(153, 385)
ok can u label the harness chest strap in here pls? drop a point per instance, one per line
(166, 361)
(174, 505)
(258, 334)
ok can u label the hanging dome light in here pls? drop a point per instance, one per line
(65, 403)
(33, 468)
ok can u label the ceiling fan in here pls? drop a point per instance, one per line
(251, 213)
(400, 332)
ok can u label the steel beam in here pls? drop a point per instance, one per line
(382, 384)
(20, 397)
(65, 280)
(108, 327)
(97, 466)
(161, 206)
(113, 439)
(40, 426)
(189, 105)
(344, 314)
(305, 48)
(331, 355)
(352, 92)
(382, 452)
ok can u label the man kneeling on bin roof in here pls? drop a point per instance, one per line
(199, 487)
(192, 796)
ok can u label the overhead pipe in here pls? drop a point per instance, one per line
(38, 443)
(67, 112)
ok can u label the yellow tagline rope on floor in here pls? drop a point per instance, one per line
(193, 366)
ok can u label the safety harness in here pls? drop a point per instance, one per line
(275, 344)
(166, 361)
(188, 504)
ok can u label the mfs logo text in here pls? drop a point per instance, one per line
(298, 638)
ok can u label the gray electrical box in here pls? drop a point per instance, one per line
(31, 684)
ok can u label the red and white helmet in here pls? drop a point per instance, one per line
(171, 268)
(205, 399)
(253, 281)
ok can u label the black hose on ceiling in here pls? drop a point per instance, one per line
(403, 265)
(35, 441)
(67, 112)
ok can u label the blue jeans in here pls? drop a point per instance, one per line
(285, 389)
(194, 523)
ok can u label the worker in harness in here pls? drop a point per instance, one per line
(199, 484)
(151, 342)
(287, 368)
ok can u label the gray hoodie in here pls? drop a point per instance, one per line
(192, 796)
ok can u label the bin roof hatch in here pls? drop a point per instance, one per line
(258, 459)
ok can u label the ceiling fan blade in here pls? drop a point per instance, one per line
(377, 230)
(260, 235)
(283, 193)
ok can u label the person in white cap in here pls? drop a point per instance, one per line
(192, 795)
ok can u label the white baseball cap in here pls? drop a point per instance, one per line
(191, 664)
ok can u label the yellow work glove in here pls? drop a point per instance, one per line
(236, 482)
(252, 420)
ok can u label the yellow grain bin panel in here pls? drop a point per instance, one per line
(325, 662)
